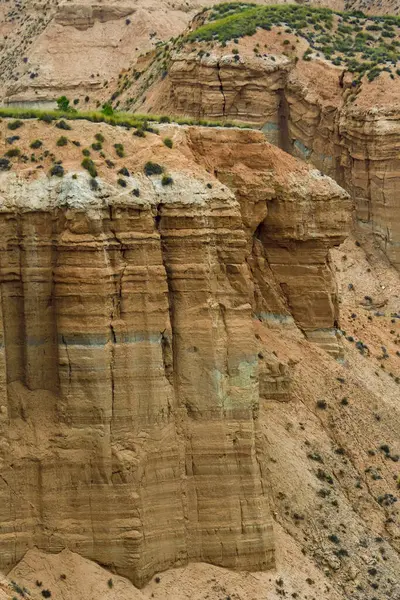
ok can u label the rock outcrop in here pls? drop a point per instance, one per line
(130, 371)
(349, 133)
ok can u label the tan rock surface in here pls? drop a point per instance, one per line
(129, 361)
(331, 545)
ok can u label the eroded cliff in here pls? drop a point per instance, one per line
(131, 370)
(309, 108)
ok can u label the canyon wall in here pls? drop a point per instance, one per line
(348, 132)
(131, 375)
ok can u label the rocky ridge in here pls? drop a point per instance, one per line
(311, 109)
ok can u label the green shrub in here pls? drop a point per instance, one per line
(5, 164)
(63, 104)
(151, 168)
(121, 182)
(99, 137)
(62, 141)
(63, 125)
(36, 144)
(97, 146)
(139, 132)
(13, 152)
(46, 118)
(119, 149)
(124, 171)
(86, 152)
(107, 109)
(15, 124)
(57, 171)
(168, 142)
(167, 180)
(89, 165)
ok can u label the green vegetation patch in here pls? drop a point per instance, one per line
(117, 119)
(361, 44)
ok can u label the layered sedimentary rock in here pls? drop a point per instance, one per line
(309, 109)
(130, 372)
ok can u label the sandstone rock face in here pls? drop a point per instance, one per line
(350, 134)
(130, 373)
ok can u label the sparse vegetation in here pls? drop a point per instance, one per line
(168, 142)
(167, 180)
(13, 152)
(117, 119)
(119, 149)
(63, 125)
(57, 171)
(62, 141)
(89, 165)
(36, 144)
(15, 124)
(364, 45)
(151, 168)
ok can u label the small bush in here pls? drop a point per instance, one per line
(97, 146)
(119, 149)
(89, 165)
(13, 152)
(15, 124)
(76, 143)
(121, 182)
(124, 171)
(57, 171)
(136, 192)
(139, 132)
(168, 142)
(110, 583)
(46, 593)
(99, 137)
(5, 164)
(86, 152)
(62, 141)
(63, 125)
(63, 104)
(321, 404)
(151, 168)
(110, 163)
(46, 118)
(107, 109)
(36, 144)
(167, 180)
(165, 120)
